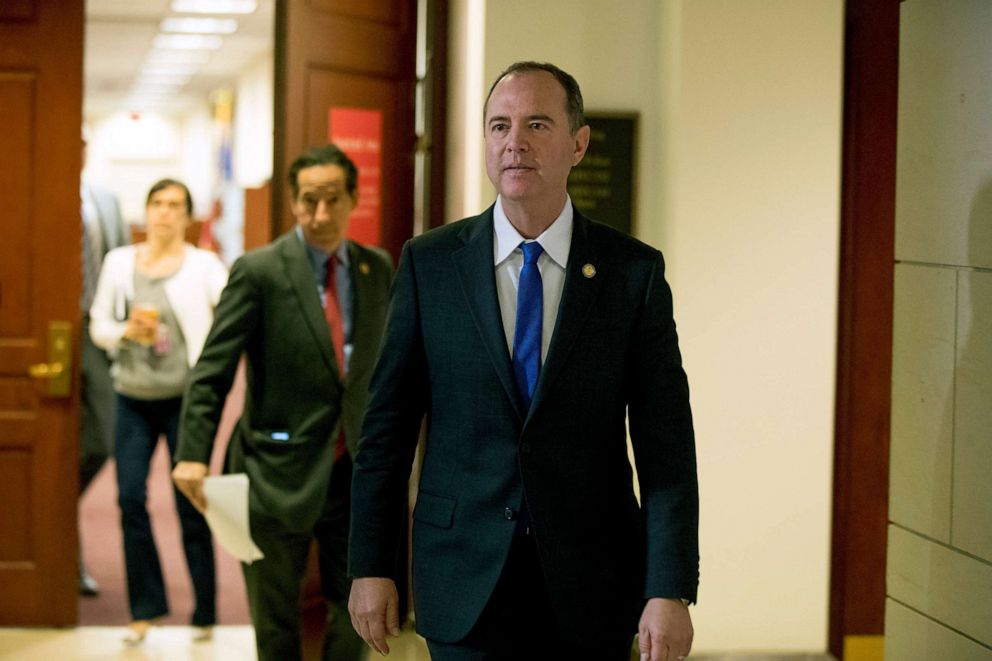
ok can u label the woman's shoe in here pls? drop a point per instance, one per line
(136, 632)
(203, 634)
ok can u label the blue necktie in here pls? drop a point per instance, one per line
(527, 332)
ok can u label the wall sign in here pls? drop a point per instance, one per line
(358, 132)
(602, 185)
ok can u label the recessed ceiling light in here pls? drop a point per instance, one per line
(162, 79)
(170, 68)
(188, 41)
(157, 56)
(214, 6)
(199, 25)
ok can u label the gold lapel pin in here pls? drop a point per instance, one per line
(363, 267)
(589, 271)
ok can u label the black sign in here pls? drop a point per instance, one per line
(602, 185)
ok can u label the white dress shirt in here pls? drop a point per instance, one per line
(509, 259)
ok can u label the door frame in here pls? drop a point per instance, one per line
(864, 318)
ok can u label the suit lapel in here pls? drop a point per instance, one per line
(583, 277)
(362, 351)
(300, 275)
(474, 265)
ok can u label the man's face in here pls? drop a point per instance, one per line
(323, 205)
(529, 147)
(166, 214)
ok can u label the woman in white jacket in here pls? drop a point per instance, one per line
(152, 310)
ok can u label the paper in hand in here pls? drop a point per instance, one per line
(227, 515)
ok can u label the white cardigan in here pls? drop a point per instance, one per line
(193, 292)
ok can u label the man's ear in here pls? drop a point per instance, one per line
(581, 144)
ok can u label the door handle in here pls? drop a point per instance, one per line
(58, 370)
(46, 370)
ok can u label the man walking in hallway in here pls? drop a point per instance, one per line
(103, 230)
(307, 311)
(528, 336)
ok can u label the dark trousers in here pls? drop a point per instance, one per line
(96, 411)
(275, 582)
(139, 424)
(519, 622)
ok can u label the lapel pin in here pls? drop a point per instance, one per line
(363, 267)
(589, 271)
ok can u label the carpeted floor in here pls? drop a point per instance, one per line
(100, 538)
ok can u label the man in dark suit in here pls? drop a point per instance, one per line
(307, 311)
(528, 336)
(103, 229)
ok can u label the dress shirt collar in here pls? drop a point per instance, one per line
(318, 258)
(556, 240)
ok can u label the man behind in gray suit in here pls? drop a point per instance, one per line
(103, 229)
(307, 313)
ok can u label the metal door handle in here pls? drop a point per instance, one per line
(46, 370)
(57, 372)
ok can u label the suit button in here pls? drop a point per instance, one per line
(509, 514)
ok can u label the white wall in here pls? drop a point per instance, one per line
(755, 234)
(253, 124)
(127, 153)
(739, 179)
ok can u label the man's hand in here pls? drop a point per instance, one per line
(665, 631)
(188, 476)
(374, 608)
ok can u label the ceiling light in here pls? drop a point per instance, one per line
(158, 84)
(162, 79)
(170, 68)
(188, 41)
(145, 99)
(153, 92)
(199, 25)
(158, 56)
(214, 6)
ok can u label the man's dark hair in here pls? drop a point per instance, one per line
(324, 155)
(165, 183)
(573, 95)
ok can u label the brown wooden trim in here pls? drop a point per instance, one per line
(437, 86)
(280, 83)
(864, 350)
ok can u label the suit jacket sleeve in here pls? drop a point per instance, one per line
(234, 321)
(661, 434)
(122, 233)
(399, 392)
(107, 322)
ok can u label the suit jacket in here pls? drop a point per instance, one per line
(613, 355)
(96, 422)
(115, 231)
(295, 402)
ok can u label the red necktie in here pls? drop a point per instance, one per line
(332, 311)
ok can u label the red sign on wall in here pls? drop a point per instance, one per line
(358, 132)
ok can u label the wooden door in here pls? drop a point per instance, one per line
(41, 67)
(348, 55)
